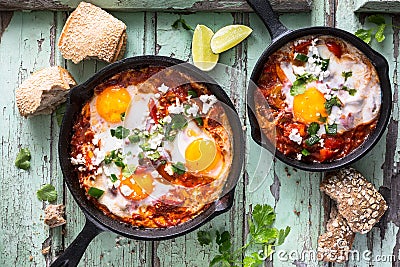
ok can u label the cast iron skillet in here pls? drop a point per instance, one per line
(96, 221)
(280, 36)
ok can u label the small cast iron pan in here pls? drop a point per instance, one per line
(96, 221)
(280, 36)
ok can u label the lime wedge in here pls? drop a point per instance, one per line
(229, 36)
(203, 57)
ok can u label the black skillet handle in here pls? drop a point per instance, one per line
(264, 10)
(225, 203)
(73, 254)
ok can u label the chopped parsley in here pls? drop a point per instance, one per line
(331, 129)
(313, 139)
(299, 85)
(23, 159)
(346, 75)
(116, 157)
(95, 192)
(179, 168)
(192, 93)
(120, 132)
(313, 128)
(351, 91)
(113, 178)
(47, 193)
(301, 57)
(334, 101)
(305, 152)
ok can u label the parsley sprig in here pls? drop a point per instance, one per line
(262, 237)
(376, 32)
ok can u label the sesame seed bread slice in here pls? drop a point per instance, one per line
(357, 199)
(91, 32)
(54, 215)
(43, 91)
(336, 243)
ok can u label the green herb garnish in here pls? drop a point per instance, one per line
(181, 21)
(261, 241)
(116, 157)
(334, 101)
(113, 178)
(128, 170)
(192, 93)
(95, 192)
(313, 139)
(322, 119)
(23, 159)
(379, 30)
(145, 147)
(331, 129)
(313, 128)
(299, 85)
(47, 193)
(301, 57)
(351, 91)
(178, 122)
(324, 64)
(199, 121)
(179, 168)
(346, 75)
(305, 152)
(154, 156)
(120, 132)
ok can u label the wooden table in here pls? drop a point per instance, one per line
(28, 43)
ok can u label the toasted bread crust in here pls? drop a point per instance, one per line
(43, 91)
(91, 32)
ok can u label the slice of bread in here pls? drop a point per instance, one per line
(336, 243)
(90, 32)
(54, 215)
(357, 199)
(43, 91)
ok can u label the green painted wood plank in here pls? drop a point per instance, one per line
(380, 6)
(169, 5)
(177, 43)
(24, 48)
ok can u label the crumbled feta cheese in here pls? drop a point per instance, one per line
(295, 136)
(168, 169)
(167, 119)
(117, 183)
(321, 141)
(155, 141)
(208, 102)
(125, 190)
(95, 140)
(335, 115)
(298, 70)
(154, 174)
(81, 169)
(163, 88)
(98, 157)
(193, 110)
(328, 96)
(157, 95)
(98, 171)
(176, 108)
(78, 160)
(299, 156)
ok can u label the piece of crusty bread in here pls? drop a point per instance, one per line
(43, 91)
(54, 215)
(336, 243)
(357, 199)
(92, 32)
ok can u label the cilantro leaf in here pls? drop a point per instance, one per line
(252, 260)
(301, 57)
(204, 238)
(282, 235)
(299, 85)
(192, 93)
(377, 19)
(365, 35)
(263, 215)
(47, 193)
(223, 262)
(331, 129)
(313, 139)
(379, 35)
(120, 132)
(179, 168)
(334, 101)
(23, 159)
(313, 128)
(346, 75)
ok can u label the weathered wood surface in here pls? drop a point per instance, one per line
(381, 6)
(170, 5)
(28, 43)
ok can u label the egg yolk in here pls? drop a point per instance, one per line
(309, 106)
(112, 102)
(141, 186)
(200, 155)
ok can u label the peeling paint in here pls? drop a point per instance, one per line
(5, 19)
